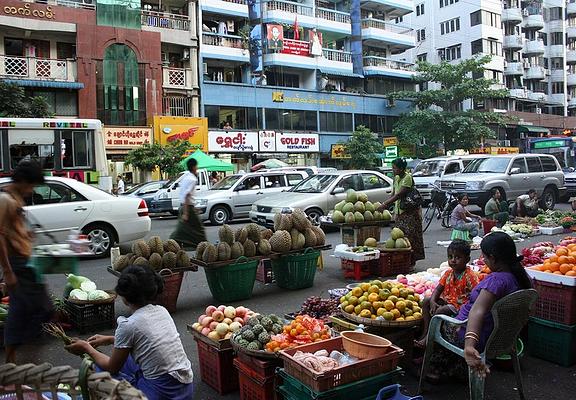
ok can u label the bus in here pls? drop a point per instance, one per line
(561, 147)
(71, 148)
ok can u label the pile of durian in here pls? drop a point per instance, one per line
(155, 253)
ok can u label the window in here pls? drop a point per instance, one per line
(556, 38)
(61, 103)
(372, 181)
(452, 168)
(421, 35)
(453, 52)
(251, 183)
(65, 50)
(293, 179)
(398, 20)
(534, 164)
(548, 164)
(520, 164)
(76, 149)
(485, 18)
(272, 181)
(294, 120)
(554, 13)
(449, 26)
(477, 46)
(51, 193)
(446, 3)
(36, 144)
(422, 57)
(350, 182)
(236, 117)
(420, 9)
(557, 87)
(335, 122)
(376, 123)
(280, 78)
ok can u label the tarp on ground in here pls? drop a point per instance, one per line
(207, 162)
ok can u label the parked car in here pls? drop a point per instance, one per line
(61, 204)
(513, 175)
(428, 171)
(318, 194)
(234, 195)
(309, 169)
(145, 191)
(167, 199)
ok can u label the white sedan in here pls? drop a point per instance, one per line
(61, 204)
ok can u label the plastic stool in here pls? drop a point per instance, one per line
(458, 234)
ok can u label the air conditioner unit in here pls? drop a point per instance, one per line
(205, 68)
(538, 110)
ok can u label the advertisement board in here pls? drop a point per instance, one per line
(170, 129)
(267, 141)
(127, 137)
(297, 142)
(232, 142)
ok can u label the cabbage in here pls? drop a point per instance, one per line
(98, 295)
(78, 294)
(88, 286)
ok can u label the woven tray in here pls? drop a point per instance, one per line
(109, 300)
(254, 353)
(380, 322)
(223, 344)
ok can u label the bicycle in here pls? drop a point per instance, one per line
(441, 206)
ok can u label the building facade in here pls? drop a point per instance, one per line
(309, 67)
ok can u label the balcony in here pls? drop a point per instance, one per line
(533, 48)
(74, 4)
(381, 66)
(224, 47)
(557, 75)
(519, 93)
(571, 32)
(536, 72)
(512, 42)
(572, 102)
(557, 98)
(337, 55)
(296, 54)
(42, 69)
(571, 8)
(513, 68)
(534, 22)
(378, 33)
(165, 20)
(571, 56)
(556, 50)
(178, 106)
(538, 96)
(393, 8)
(512, 15)
(571, 79)
(178, 78)
(225, 7)
(333, 15)
(555, 26)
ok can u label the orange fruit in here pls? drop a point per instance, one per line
(554, 266)
(562, 251)
(558, 273)
(542, 267)
(571, 259)
(562, 260)
(553, 259)
(565, 268)
(571, 273)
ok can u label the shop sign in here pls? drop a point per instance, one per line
(390, 152)
(390, 141)
(171, 129)
(296, 47)
(338, 151)
(232, 142)
(38, 12)
(267, 141)
(123, 137)
(495, 150)
(297, 142)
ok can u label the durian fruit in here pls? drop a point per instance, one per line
(169, 260)
(281, 241)
(277, 221)
(172, 246)
(264, 247)
(210, 254)
(121, 262)
(300, 220)
(141, 261)
(241, 235)
(249, 248)
(237, 250)
(320, 236)
(266, 233)
(182, 259)
(253, 231)
(224, 251)
(155, 261)
(141, 249)
(297, 239)
(133, 258)
(156, 245)
(310, 238)
(285, 222)
(200, 249)
(226, 234)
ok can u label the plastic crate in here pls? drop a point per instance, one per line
(91, 317)
(392, 263)
(264, 369)
(264, 274)
(233, 282)
(552, 341)
(357, 236)
(555, 302)
(343, 375)
(367, 388)
(48, 264)
(358, 270)
(217, 368)
(296, 271)
(169, 296)
(252, 385)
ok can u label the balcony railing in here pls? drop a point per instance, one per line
(165, 20)
(214, 39)
(38, 68)
(177, 106)
(236, 1)
(73, 4)
(337, 55)
(178, 78)
(374, 61)
(387, 26)
(333, 15)
(289, 7)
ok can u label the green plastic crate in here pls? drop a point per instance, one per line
(552, 341)
(296, 271)
(232, 282)
(365, 389)
(47, 264)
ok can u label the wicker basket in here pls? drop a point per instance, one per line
(296, 271)
(233, 282)
(365, 345)
(172, 283)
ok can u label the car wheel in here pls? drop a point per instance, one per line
(314, 215)
(549, 198)
(101, 239)
(219, 215)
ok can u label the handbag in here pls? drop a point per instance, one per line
(412, 200)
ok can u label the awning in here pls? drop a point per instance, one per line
(47, 84)
(207, 162)
(532, 129)
(329, 71)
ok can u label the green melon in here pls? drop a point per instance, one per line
(338, 206)
(349, 218)
(369, 206)
(338, 217)
(359, 206)
(358, 217)
(348, 207)
(368, 216)
(351, 196)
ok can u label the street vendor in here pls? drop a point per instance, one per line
(497, 209)
(526, 205)
(147, 351)
(29, 304)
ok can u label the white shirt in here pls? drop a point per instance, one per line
(188, 186)
(120, 187)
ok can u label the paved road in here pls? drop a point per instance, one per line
(543, 380)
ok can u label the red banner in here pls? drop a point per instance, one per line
(296, 47)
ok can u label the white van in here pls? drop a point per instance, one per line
(167, 199)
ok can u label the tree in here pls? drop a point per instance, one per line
(15, 104)
(151, 156)
(438, 119)
(363, 148)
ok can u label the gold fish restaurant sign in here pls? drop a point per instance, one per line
(44, 12)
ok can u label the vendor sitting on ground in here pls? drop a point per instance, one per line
(526, 205)
(461, 218)
(147, 349)
(496, 209)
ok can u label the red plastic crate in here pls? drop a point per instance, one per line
(392, 263)
(217, 368)
(252, 385)
(357, 270)
(556, 302)
(264, 369)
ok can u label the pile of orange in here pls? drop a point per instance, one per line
(562, 263)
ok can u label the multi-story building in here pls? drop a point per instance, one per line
(307, 67)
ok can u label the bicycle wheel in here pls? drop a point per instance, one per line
(447, 213)
(429, 216)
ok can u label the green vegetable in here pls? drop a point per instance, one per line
(76, 280)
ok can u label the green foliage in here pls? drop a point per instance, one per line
(15, 104)
(151, 156)
(438, 117)
(363, 147)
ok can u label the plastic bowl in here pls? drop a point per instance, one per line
(364, 345)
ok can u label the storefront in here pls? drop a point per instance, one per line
(170, 129)
(235, 147)
(119, 140)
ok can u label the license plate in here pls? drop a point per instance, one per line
(262, 220)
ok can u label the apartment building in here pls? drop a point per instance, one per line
(313, 68)
(533, 45)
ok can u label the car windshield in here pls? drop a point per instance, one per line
(134, 189)
(488, 165)
(226, 183)
(314, 184)
(428, 168)
(171, 181)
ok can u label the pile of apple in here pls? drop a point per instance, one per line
(221, 322)
(423, 282)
